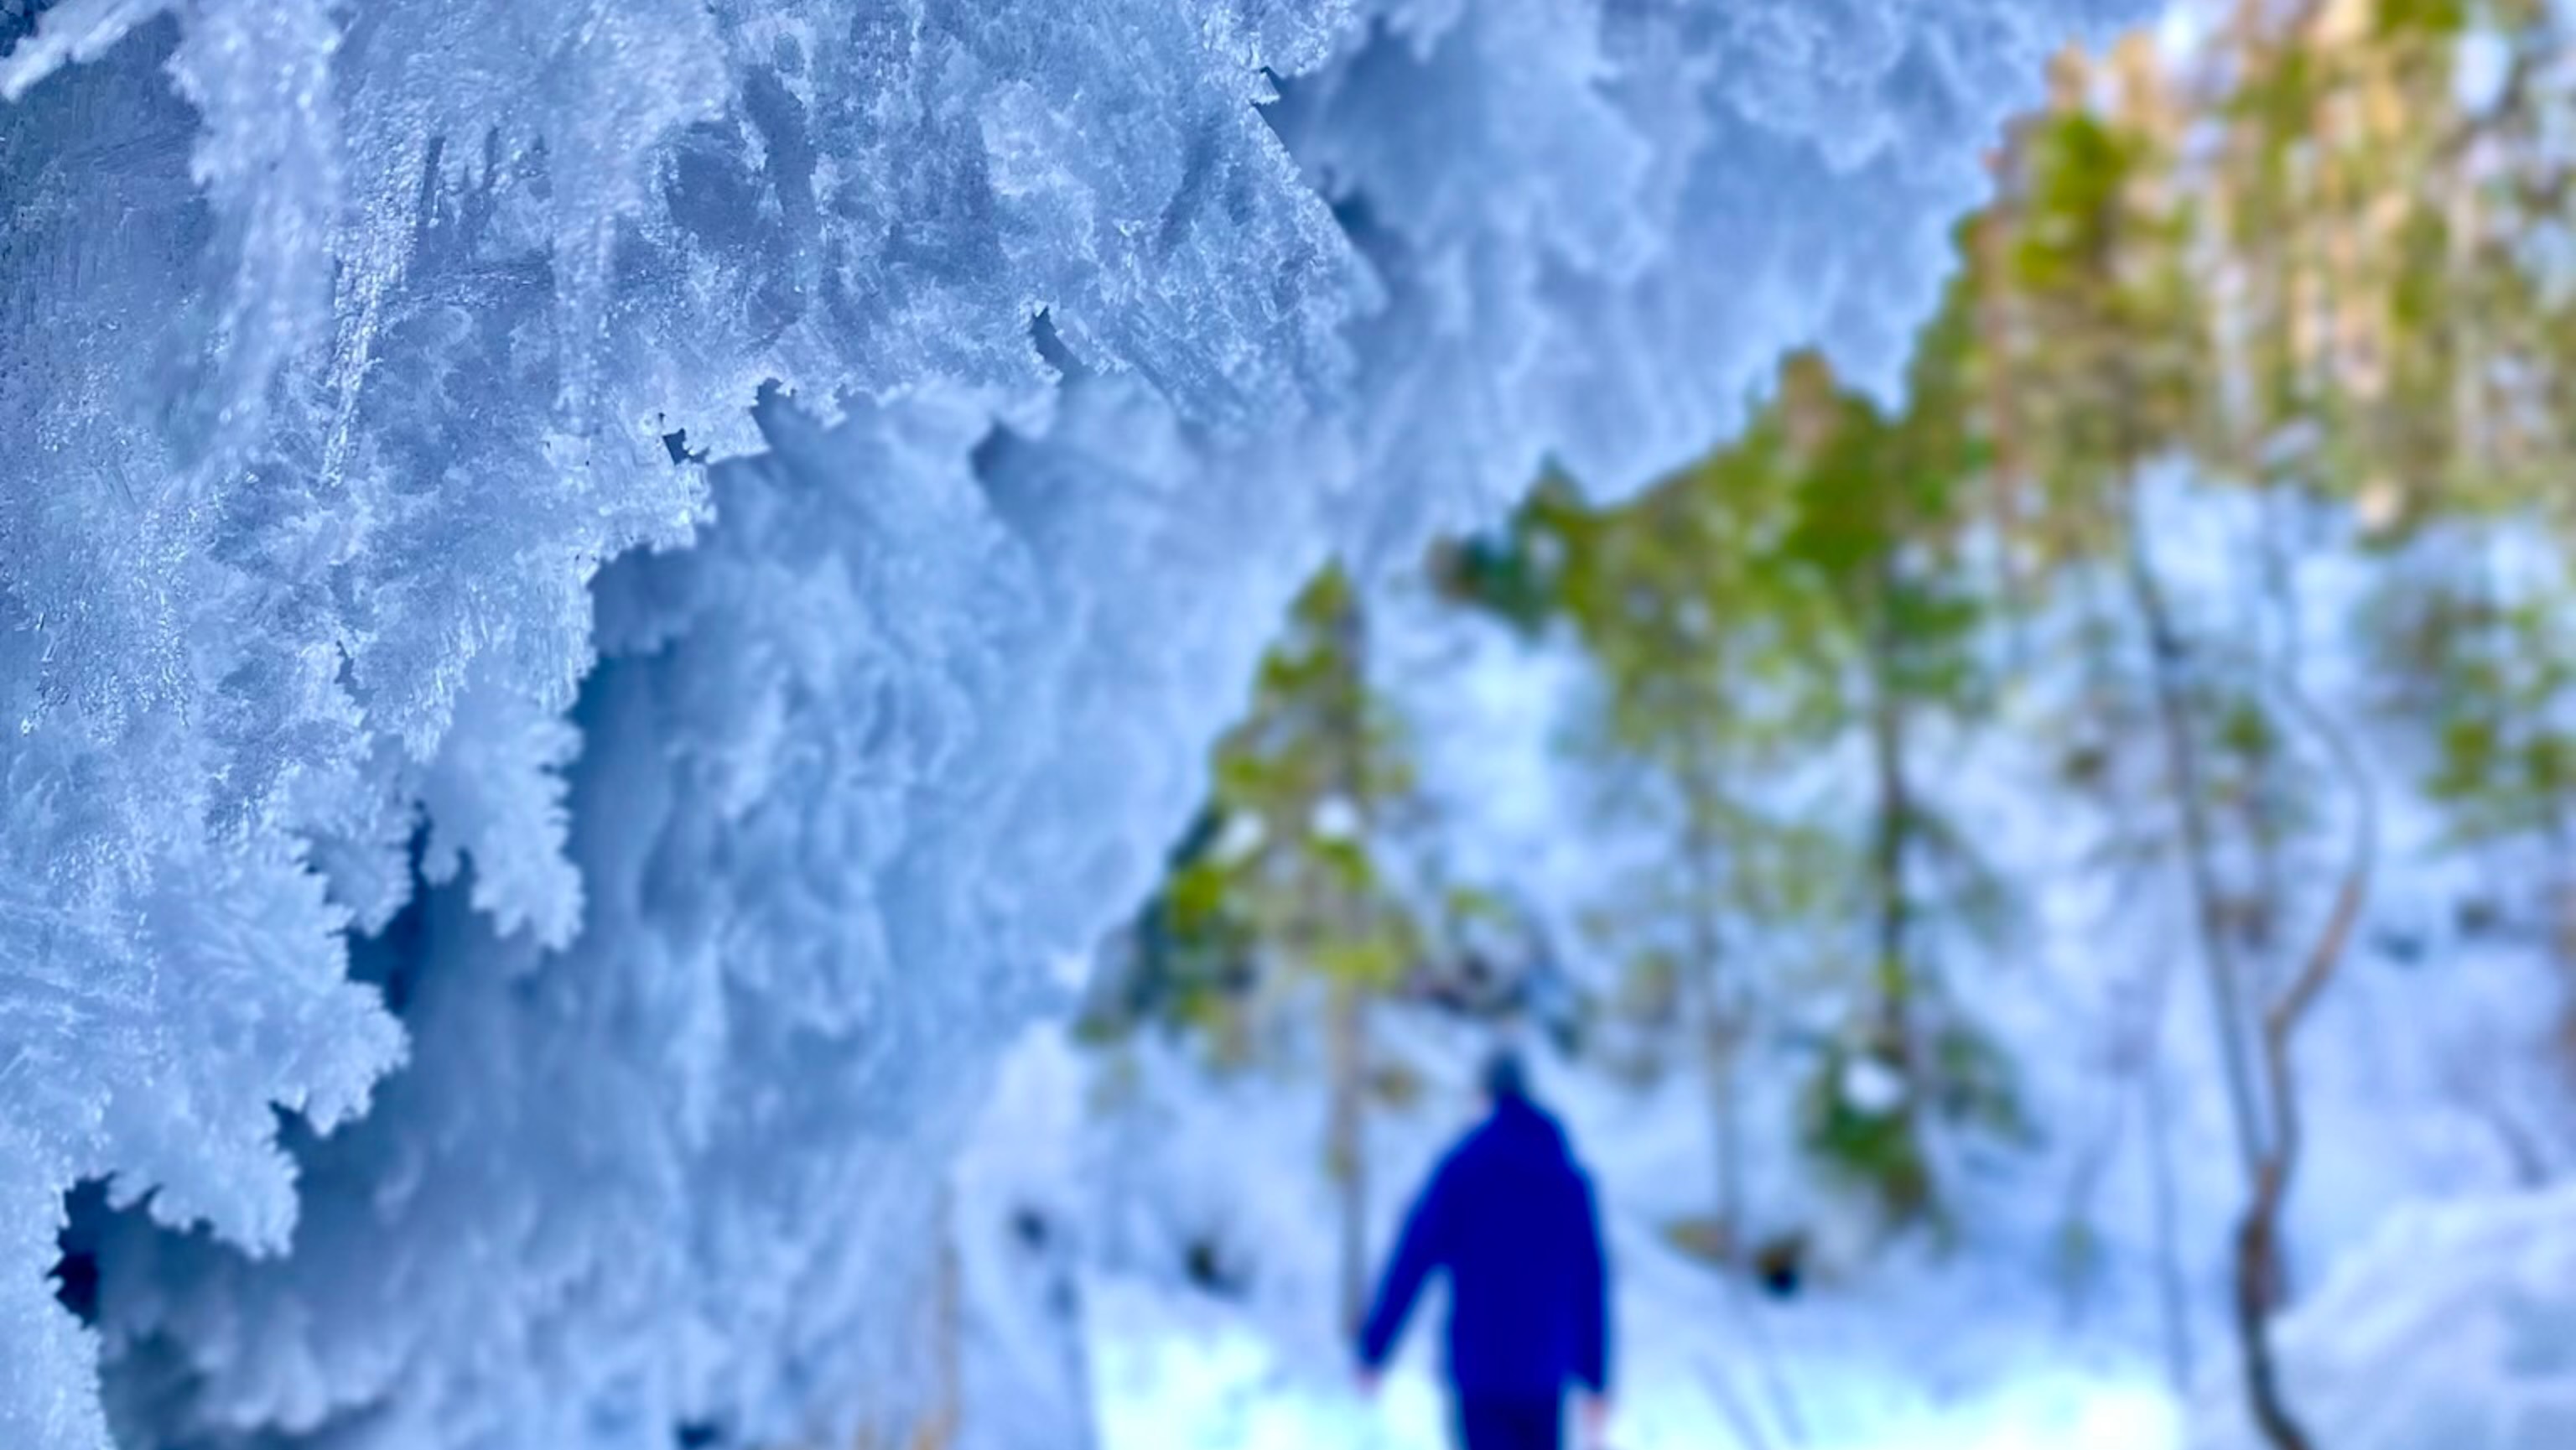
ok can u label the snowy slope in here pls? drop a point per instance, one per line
(2453, 1329)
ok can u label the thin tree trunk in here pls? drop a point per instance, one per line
(1895, 816)
(1348, 1146)
(1347, 1027)
(1992, 258)
(2259, 1139)
(2562, 932)
(1895, 807)
(1897, 1028)
(2183, 772)
(2260, 1266)
(1721, 1018)
(2181, 1355)
(1721, 1038)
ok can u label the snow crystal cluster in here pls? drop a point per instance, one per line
(590, 595)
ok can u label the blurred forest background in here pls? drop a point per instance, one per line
(2103, 815)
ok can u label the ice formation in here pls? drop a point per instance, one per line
(589, 594)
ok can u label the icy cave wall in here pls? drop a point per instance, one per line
(591, 593)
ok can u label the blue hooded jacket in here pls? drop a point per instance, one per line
(1510, 1217)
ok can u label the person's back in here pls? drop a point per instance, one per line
(1510, 1218)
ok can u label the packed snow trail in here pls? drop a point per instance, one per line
(1176, 1375)
(516, 857)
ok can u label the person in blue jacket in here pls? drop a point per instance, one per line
(1509, 1217)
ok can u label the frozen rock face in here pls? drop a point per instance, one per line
(590, 594)
(2455, 1330)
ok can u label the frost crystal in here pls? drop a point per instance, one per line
(510, 907)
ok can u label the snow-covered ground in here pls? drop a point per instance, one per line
(1173, 1373)
(2452, 1328)
(1938, 1357)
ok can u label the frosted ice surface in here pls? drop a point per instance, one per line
(441, 707)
